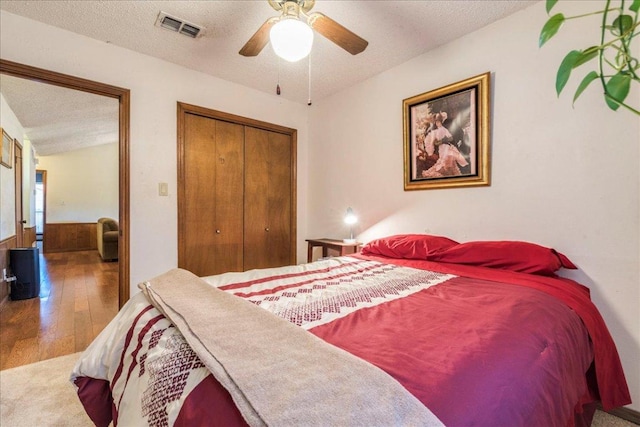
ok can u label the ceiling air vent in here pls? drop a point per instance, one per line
(178, 25)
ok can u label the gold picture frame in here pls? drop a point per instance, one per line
(6, 148)
(446, 136)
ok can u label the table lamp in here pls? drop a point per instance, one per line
(350, 219)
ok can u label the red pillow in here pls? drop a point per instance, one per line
(408, 246)
(518, 256)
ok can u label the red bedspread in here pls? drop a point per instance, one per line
(479, 347)
(612, 388)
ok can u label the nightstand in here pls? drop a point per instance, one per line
(338, 245)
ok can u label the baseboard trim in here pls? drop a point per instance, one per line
(624, 413)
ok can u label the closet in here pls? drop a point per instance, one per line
(236, 192)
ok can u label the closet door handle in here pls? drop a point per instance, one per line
(266, 229)
(217, 231)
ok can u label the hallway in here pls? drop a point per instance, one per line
(78, 297)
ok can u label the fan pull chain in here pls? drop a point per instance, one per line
(309, 101)
(278, 84)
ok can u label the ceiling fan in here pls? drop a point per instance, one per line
(291, 12)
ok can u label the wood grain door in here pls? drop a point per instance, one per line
(268, 199)
(210, 216)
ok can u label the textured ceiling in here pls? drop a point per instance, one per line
(396, 31)
(58, 119)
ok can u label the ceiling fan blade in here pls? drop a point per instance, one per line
(259, 40)
(338, 34)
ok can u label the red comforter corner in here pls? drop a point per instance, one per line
(612, 389)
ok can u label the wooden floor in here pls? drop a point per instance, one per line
(78, 297)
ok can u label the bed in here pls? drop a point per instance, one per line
(413, 330)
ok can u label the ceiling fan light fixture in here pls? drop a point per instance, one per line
(291, 39)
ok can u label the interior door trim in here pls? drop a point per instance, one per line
(123, 96)
(18, 171)
(43, 172)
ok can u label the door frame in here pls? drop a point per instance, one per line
(18, 171)
(43, 172)
(123, 96)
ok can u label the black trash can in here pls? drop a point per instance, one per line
(25, 266)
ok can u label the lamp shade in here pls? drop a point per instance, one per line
(350, 218)
(291, 39)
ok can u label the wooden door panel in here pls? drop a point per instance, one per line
(228, 249)
(256, 203)
(198, 222)
(267, 199)
(211, 221)
(279, 207)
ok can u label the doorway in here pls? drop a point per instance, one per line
(40, 206)
(123, 97)
(17, 170)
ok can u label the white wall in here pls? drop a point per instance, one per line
(562, 177)
(156, 87)
(82, 185)
(11, 125)
(14, 129)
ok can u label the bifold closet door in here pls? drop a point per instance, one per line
(211, 220)
(268, 199)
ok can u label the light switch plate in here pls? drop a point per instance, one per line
(163, 189)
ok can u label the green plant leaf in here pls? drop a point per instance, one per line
(564, 71)
(587, 55)
(622, 24)
(550, 28)
(619, 29)
(584, 83)
(617, 89)
(611, 102)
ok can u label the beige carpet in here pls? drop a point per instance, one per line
(41, 395)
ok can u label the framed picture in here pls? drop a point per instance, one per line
(7, 150)
(446, 136)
